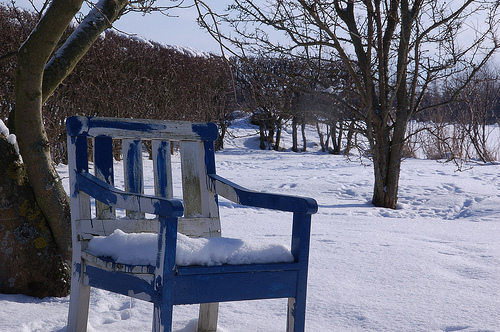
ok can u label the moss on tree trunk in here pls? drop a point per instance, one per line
(29, 257)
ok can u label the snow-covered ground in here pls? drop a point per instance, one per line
(431, 265)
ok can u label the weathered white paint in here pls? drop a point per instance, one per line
(88, 228)
(80, 209)
(200, 227)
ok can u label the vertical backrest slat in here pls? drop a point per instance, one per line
(103, 168)
(198, 201)
(162, 168)
(133, 170)
(80, 202)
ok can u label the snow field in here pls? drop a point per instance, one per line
(431, 265)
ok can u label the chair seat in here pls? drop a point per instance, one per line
(217, 268)
(195, 284)
(140, 249)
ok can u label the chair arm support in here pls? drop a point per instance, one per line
(111, 196)
(243, 196)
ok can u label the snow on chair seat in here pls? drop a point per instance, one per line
(142, 248)
(177, 269)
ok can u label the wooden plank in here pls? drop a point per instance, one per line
(190, 289)
(89, 228)
(165, 274)
(141, 128)
(133, 171)
(103, 169)
(200, 227)
(243, 196)
(196, 161)
(80, 208)
(146, 271)
(249, 268)
(126, 284)
(125, 200)
(198, 201)
(162, 168)
(301, 234)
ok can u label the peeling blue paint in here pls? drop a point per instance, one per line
(75, 125)
(206, 131)
(266, 200)
(125, 125)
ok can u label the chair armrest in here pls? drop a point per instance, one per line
(243, 196)
(112, 196)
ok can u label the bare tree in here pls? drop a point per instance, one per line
(459, 132)
(475, 113)
(392, 50)
(266, 88)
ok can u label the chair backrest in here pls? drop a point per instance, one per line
(104, 138)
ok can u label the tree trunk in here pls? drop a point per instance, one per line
(389, 142)
(38, 231)
(33, 142)
(219, 142)
(270, 135)
(333, 135)
(294, 134)
(35, 82)
(335, 149)
(338, 145)
(29, 256)
(327, 140)
(278, 134)
(65, 59)
(262, 136)
(386, 181)
(277, 142)
(387, 165)
(321, 138)
(350, 134)
(304, 139)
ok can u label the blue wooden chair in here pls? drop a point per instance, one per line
(167, 284)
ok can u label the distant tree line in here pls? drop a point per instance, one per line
(290, 92)
(286, 92)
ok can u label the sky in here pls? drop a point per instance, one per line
(180, 30)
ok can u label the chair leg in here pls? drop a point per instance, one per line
(207, 320)
(79, 302)
(162, 317)
(296, 316)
